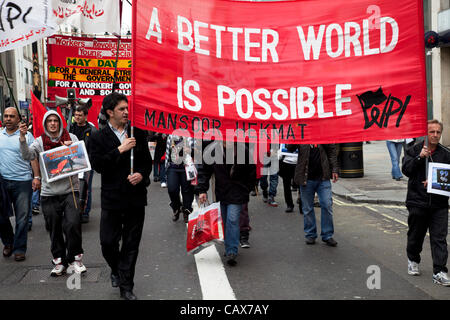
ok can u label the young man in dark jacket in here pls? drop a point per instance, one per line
(233, 183)
(316, 165)
(427, 211)
(123, 194)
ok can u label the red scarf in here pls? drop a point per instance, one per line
(49, 144)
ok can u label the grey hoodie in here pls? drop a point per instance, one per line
(31, 152)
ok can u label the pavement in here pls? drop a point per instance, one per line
(377, 185)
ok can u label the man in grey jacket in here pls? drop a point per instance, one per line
(58, 197)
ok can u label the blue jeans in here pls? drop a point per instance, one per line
(323, 189)
(162, 172)
(177, 180)
(273, 184)
(159, 170)
(230, 216)
(20, 193)
(395, 151)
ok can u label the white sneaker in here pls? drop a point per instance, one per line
(59, 268)
(163, 185)
(77, 266)
(413, 268)
(442, 279)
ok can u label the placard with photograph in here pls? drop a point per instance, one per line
(439, 178)
(62, 162)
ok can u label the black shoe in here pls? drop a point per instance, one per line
(330, 242)
(265, 196)
(289, 209)
(186, 214)
(114, 280)
(231, 259)
(127, 295)
(84, 218)
(35, 211)
(176, 215)
(7, 250)
(310, 241)
(30, 227)
(244, 243)
(155, 179)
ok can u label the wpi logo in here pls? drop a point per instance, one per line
(378, 108)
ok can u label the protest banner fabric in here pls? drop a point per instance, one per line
(23, 21)
(88, 16)
(314, 71)
(87, 65)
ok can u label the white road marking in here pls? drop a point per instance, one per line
(211, 273)
(342, 203)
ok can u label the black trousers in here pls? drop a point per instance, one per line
(65, 226)
(125, 225)
(287, 172)
(436, 221)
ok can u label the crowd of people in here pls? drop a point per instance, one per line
(124, 162)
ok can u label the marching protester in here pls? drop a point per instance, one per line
(288, 161)
(427, 211)
(269, 189)
(395, 151)
(123, 191)
(316, 165)
(244, 227)
(159, 168)
(83, 130)
(58, 198)
(19, 179)
(177, 149)
(233, 184)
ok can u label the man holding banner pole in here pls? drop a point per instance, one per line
(124, 194)
(427, 211)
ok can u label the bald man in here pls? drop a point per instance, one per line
(19, 178)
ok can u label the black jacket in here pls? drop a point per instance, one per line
(117, 192)
(233, 182)
(414, 168)
(83, 133)
(328, 159)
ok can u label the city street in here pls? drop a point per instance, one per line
(278, 266)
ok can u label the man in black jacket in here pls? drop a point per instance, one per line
(233, 183)
(123, 194)
(426, 210)
(316, 165)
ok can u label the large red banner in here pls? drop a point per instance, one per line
(87, 65)
(313, 71)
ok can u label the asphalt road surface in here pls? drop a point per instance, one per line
(369, 262)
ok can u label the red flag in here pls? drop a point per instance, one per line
(38, 111)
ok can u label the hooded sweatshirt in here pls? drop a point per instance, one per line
(31, 152)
